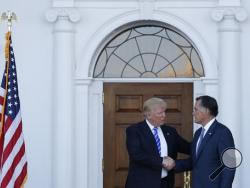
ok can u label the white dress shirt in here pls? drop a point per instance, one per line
(206, 127)
(164, 146)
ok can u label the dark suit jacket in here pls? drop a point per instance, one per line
(145, 163)
(217, 139)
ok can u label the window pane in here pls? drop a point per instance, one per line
(150, 51)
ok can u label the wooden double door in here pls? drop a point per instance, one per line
(123, 104)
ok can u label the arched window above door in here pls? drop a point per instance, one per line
(148, 50)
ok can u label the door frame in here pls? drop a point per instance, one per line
(94, 156)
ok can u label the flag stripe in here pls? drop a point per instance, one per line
(19, 168)
(10, 132)
(13, 141)
(7, 124)
(1, 100)
(11, 169)
(21, 178)
(11, 157)
(2, 92)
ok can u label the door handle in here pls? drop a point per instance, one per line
(187, 179)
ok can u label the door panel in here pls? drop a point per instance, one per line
(123, 103)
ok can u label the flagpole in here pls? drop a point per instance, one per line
(7, 46)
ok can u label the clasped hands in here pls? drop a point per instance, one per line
(168, 163)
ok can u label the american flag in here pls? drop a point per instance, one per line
(13, 162)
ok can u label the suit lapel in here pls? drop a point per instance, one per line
(205, 140)
(149, 137)
(167, 136)
(195, 140)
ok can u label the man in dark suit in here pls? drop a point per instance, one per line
(209, 143)
(149, 144)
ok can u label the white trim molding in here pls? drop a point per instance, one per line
(108, 27)
(97, 4)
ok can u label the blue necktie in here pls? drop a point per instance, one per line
(157, 139)
(200, 140)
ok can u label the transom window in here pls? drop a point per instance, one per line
(152, 50)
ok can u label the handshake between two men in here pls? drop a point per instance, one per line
(168, 163)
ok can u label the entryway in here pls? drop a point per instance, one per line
(123, 104)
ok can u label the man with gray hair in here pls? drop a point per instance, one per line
(209, 143)
(152, 146)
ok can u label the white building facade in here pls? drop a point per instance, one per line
(57, 45)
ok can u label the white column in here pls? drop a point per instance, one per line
(229, 65)
(63, 95)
